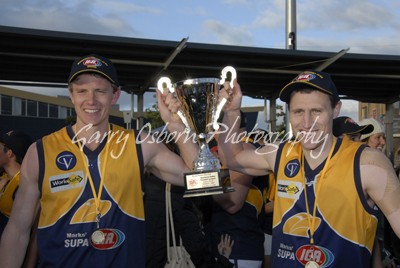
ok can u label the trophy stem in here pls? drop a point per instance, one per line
(207, 176)
(205, 159)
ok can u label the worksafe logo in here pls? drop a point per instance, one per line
(289, 189)
(292, 189)
(68, 181)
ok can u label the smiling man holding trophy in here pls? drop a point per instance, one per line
(199, 110)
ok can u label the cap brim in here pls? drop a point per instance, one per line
(361, 130)
(367, 129)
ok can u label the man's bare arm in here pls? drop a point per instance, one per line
(16, 235)
(163, 163)
(233, 202)
(381, 185)
(158, 158)
(247, 160)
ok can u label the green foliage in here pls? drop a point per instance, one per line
(152, 115)
(281, 128)
(71, 119)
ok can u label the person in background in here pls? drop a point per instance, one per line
(376, 138)
(344, 125)
(237, 214)
(225, 249)
(85, 180)
(187, 226)
(13, 147)
(266, 183)
(186, 222)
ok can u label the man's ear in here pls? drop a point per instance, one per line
(70, 95)
(336, 110)
(116, 93)
(10, 153)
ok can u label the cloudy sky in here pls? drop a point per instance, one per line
(364, 26)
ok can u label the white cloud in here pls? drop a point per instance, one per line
(390, 45)
(118, 7)
(195, 11)
(228, 34)
(346, 16)
(236, 2)
(55, 15)
(269, 19)
(350, 109)
(368, 15)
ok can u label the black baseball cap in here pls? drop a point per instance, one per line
(17, 141)
(94, 64)
(319, 80)
(346, 125)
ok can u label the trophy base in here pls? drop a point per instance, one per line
(201, 183)
(204, 192)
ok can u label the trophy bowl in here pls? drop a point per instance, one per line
(200, 111)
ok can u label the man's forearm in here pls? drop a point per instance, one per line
(228, 141)
(186, 142)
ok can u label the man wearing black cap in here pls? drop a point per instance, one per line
(13, 146)
(85, 180)
(326, 187)
(344, 125)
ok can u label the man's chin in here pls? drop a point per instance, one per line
(309, 145)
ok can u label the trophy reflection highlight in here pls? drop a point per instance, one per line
(200, 111)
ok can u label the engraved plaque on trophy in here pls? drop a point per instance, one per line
(200, 110)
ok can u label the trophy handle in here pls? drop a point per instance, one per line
(224, 72)
(167, 81)
(160, 86)
(224, 100)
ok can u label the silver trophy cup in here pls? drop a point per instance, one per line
(200, 110)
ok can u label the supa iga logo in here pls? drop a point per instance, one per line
(323, 256)
(113, 238)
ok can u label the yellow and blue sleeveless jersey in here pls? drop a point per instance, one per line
(345, 225)
(68, 214)
(7, 195)
(266, 184)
